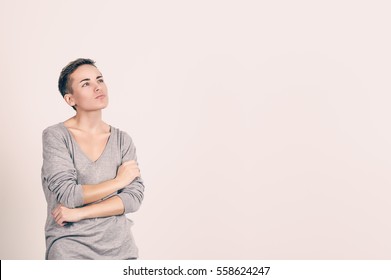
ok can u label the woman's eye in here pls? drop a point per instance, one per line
(85, 84)
(100, 81)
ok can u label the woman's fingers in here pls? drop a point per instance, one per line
(128, 171)
(55, 211)
(57, 215)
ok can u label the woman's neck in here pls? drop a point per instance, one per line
(88, 121)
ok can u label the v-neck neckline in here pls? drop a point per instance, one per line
(81, 150)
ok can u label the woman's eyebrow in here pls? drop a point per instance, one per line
(87, 79)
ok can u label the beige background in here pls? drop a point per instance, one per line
(262, 127)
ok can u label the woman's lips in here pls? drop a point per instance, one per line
(100, 96)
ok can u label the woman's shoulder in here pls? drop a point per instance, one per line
(118, 131)
(57, 129)
(122, 136)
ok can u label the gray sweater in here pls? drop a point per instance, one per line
(65, 169)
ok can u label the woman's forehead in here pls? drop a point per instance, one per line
(86, 71)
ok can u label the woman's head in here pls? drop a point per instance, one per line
(63, 81)
(80, 83)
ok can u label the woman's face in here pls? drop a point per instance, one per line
(89, 91)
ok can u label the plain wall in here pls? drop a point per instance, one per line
(262, 127)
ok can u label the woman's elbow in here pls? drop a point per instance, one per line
(70, 196)
(133, 207)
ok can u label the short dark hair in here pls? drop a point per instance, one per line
(63, 81)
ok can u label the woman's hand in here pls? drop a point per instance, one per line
(63, 215)
(127, 172)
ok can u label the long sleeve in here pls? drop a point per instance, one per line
(132, 195)
(65, 170)
(58, 171)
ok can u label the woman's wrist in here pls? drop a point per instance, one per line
(82, 213)
(118, 183)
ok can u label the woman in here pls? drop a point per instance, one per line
(90, 175)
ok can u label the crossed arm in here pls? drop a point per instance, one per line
(117, 196)
(112, 206)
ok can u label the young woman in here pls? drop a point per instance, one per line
(90, 175)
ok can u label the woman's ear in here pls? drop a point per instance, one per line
(69, 99)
